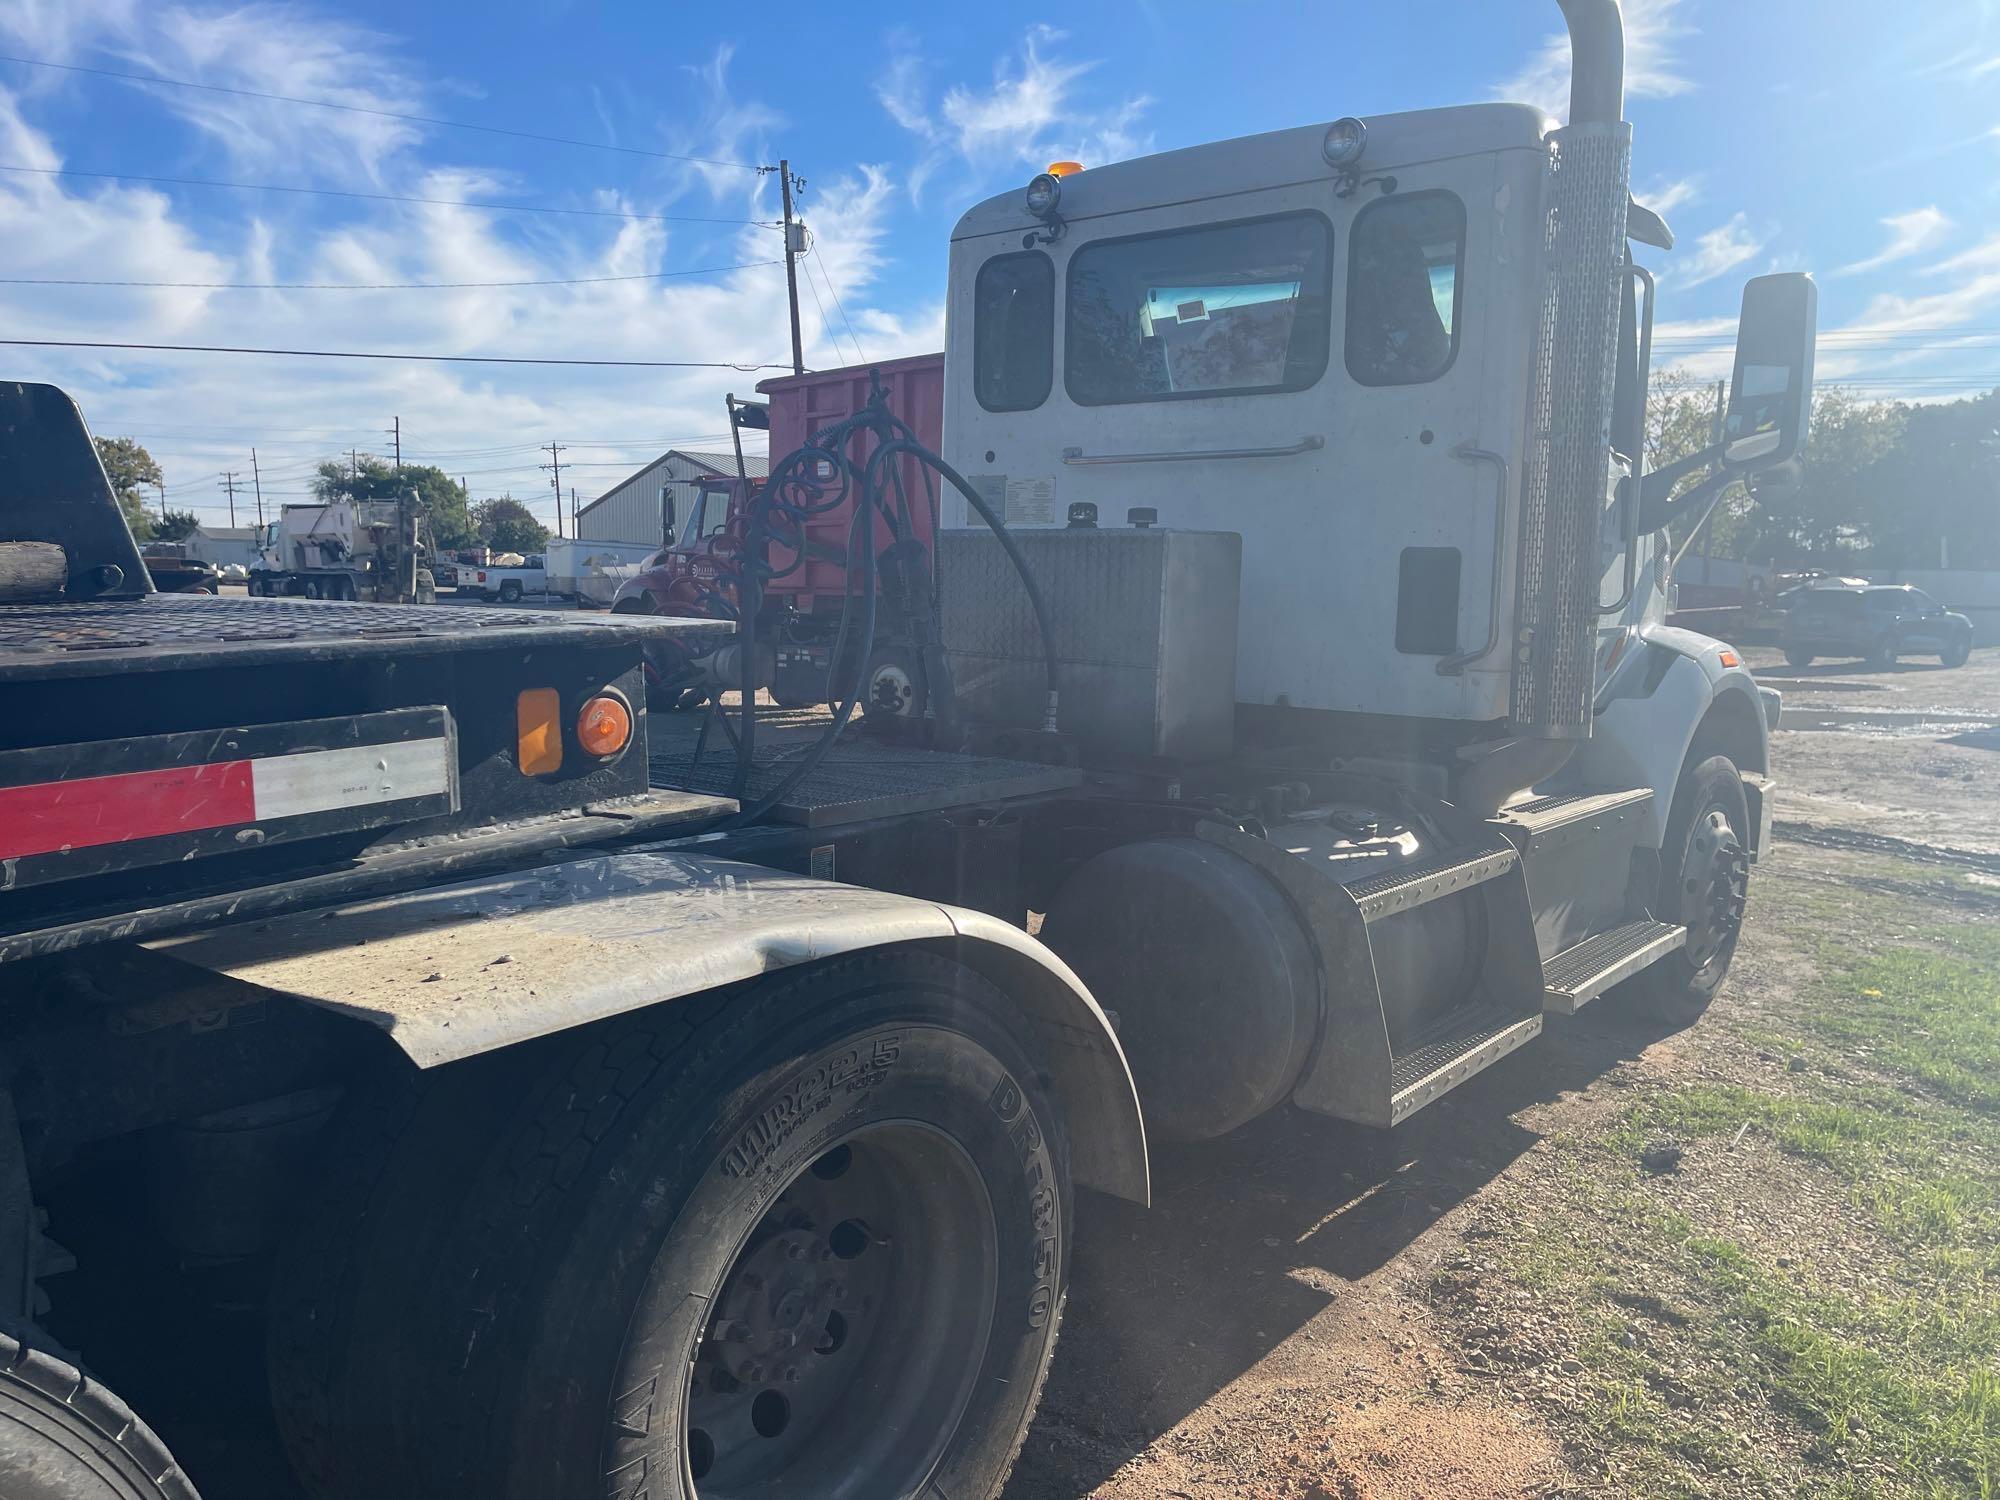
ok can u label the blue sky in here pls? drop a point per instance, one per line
(1857, 140)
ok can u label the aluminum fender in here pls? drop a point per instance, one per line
(1644, 740)
(457, 970)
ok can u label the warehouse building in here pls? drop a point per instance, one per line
(634, 509)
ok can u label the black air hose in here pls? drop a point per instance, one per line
(792, 494)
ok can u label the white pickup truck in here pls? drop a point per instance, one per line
(506, 582)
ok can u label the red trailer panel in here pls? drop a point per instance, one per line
(804, 404)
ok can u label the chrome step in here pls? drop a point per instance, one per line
(1465, 1044)
(1578, 975)
(1551, 822)
(1404, 889)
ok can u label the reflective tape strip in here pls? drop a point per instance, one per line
(313, 781)
(51, 816)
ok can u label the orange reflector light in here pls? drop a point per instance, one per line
(605, 726)
(1064, 168)
(1729, 658)
(538, 731)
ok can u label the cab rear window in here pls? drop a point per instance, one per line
(1014, 332)
(1406, 259)
(1216, 310)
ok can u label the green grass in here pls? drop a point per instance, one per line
(1889, 1390)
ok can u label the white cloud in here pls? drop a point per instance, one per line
(1652, 70)
(1983, 256)
(1909, 234)
(1029, 115)
(1719, 252)
(202, 413)
(1664, 197)
(247, 48)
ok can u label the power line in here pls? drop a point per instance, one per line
(834, 292)
(381, 114)
(502, 208)
(374, 286)
(825, 323)
(449, 359)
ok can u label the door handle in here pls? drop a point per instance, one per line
(1466, 453)
(1076, 456)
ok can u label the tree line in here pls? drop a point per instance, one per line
(1884, 485)
(502, 523)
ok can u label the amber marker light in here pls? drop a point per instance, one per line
(538, 731)
(604, 727)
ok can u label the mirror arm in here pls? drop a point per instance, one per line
(1659, 484)
(1708, 495)
(1656, 512)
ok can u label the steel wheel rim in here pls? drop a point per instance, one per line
(845, 1339)
(892, 690)
(1715, 871)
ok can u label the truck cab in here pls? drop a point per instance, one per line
(1404, 360)
(1243, 337)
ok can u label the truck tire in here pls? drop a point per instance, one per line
(510, 592)
(1703, 883)
(65, 1437)
(1884, 651)
(1798, 656)
(1957, 651)
(810, 1236)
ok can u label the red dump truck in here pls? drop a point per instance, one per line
(811, 571)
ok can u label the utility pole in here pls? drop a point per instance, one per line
(257, 480)
(574, 527)
(354, 464)
(794, 242)
(396, 433)
(162, 488)
(229, 487)
(555, 465)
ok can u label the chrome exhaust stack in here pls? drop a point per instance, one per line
(1586, 189)
(1597, 61)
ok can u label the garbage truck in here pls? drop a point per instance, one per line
(602, 1102)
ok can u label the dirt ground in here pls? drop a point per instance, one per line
(1312, 1311)
(1908, 753)
(1274, 1327)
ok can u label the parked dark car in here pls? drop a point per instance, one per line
(174, 572)
(1879, 621)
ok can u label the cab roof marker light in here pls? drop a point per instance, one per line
(1044, 195)
(1345, 140)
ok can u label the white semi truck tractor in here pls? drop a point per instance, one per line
(616, 1104)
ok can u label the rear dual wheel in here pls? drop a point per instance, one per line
(810, 1239)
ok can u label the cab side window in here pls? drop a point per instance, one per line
(1405, 274)
(1014, 332)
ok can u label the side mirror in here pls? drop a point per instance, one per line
(1770, 393)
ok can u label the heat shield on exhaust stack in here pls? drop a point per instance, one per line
(1585, 191)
